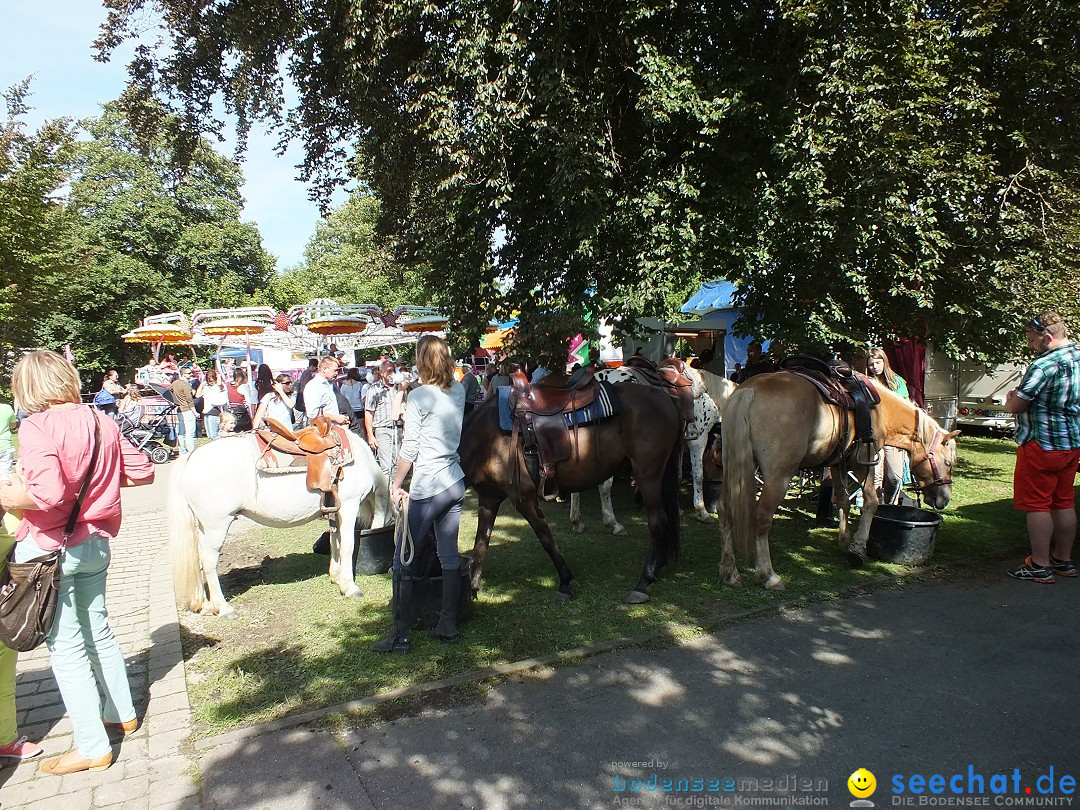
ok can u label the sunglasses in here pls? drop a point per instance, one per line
(1037, 325)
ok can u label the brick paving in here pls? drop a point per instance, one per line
(150, 769)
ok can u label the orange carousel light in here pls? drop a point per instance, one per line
(424, 323)
(158, 333)
(228, 327)
(337, 325)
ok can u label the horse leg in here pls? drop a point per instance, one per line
(840, 492)
(772, 493)
(855, 550)
(610, 521)
(530, 510)
(697, 452)
(211, 539)
(576, 523)
(487, 509)
(729, 571)
(335, 554)
(342, 540)
(650, 493)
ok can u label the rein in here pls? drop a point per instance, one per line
(929, 449)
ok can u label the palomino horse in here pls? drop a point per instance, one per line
(646, 432)
(779, 423)
(219, 481)
(696, 434)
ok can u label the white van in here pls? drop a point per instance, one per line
(965, 392)
(981, 394)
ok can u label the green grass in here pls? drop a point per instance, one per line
(296, 645)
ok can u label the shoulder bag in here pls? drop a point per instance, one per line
(29, 590)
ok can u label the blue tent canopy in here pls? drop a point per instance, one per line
(711, 296)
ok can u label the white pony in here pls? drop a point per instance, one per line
(707, 408)
(217, 482)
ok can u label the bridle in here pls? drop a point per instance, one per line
(930, 448)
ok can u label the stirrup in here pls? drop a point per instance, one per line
(866, 447)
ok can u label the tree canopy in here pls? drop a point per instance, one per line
(143, 236)
(348, 261)
(33, 167)
(858, 169)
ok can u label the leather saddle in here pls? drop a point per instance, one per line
(669, 375)
(538, 416)
(842, 386)
(320, 447)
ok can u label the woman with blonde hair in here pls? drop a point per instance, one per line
(429, 448)
(131, 405)
(57, 446)
(889, 474)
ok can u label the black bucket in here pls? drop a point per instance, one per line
(903, 535)
(373, 549)
(427, 595)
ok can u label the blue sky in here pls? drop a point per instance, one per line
(51, 40)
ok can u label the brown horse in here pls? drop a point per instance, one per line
(779, 424)
(646, 432)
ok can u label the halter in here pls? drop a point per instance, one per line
(935, 443)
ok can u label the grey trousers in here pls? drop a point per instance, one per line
(389, 441)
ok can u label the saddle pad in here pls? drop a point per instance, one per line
(506, 419)
(606, 404)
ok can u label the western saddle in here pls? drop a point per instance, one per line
(321, 448)
(842, 386)
(669, 375)
(538, 418)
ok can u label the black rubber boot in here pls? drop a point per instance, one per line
(399, 640)
(446, 630)
(824, 516)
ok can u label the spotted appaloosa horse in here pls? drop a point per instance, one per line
(695, 433)
(778, 424)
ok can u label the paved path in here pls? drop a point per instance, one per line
(150, 769)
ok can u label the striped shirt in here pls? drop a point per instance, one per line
(379, 401)
(1052, 385)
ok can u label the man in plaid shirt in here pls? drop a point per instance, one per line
(1047, 408)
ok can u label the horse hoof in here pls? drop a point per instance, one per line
(618, 530)
(856, 558)
(637, 598)
(227, 612)
(705, 517)
(774, 583)
(352, 593)
(578, 528)
(563, 596)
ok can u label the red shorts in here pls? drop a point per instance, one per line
(1043, 479)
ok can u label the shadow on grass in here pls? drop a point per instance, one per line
(296, 645)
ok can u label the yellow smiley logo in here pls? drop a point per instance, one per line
(861, 783)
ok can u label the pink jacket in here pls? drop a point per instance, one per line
(54, 454)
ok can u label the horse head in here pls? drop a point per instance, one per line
(932, 460)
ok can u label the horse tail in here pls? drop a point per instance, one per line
(739, 483)
(669, 498)
(183, 539)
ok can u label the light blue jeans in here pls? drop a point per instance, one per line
(185, 438)
(211, 424)
(84, 651)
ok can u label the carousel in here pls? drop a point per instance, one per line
(283, 340)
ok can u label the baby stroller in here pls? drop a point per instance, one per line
(150, 437)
